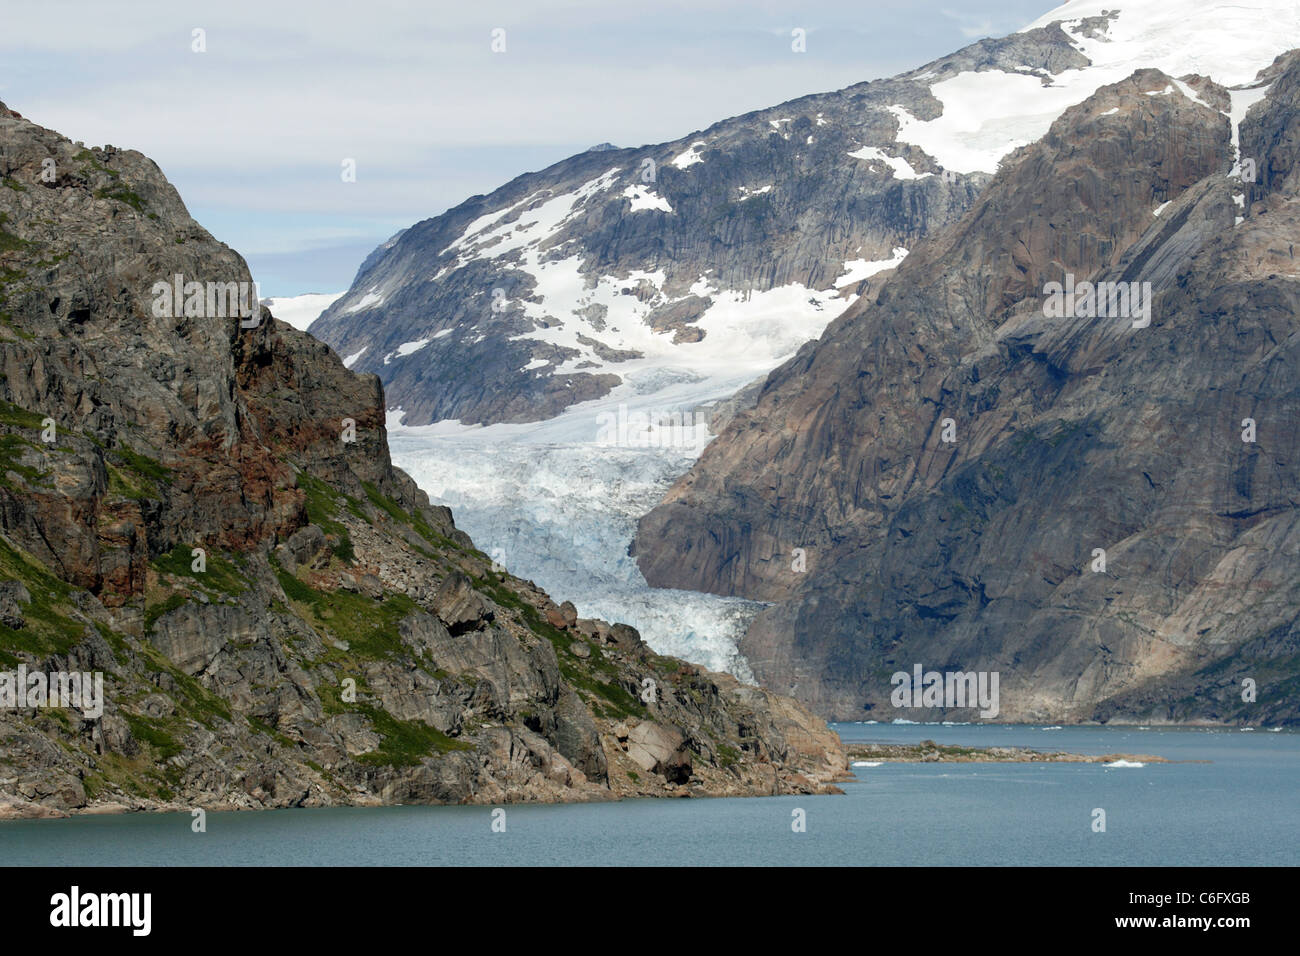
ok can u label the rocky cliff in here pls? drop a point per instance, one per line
(1100, 506)
(199, 503)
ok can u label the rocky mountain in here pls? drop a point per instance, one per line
(772, 231)
(621, 273)
(197, 501)
(625, 271)
(1095, 497)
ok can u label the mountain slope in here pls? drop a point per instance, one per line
(982, 483)
(619, 273)
(200, 504)
(613, 266)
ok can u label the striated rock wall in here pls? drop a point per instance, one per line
(1068, 434)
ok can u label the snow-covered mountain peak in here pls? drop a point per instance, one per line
(986, 113)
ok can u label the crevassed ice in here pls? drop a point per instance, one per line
(562, 514)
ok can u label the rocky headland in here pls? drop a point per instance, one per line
(201, 506)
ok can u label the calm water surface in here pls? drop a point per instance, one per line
(1241, 808)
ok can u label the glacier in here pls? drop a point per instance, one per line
(301, 311)
(553, 502)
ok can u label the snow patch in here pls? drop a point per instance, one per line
(643, 198)
(542, 215)
(409, 348)
(690, 157)
(371, 298)
(855, 270)
(899, 167)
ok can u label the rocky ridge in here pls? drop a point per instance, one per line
(673, 274)
(597, 273)
(202, 507)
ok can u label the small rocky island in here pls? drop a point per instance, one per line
(927, 751)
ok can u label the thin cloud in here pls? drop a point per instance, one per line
(253, 131)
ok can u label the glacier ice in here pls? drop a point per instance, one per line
(563, 515)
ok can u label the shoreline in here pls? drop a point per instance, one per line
(1064, 723)
(927, 751)
(15, 809)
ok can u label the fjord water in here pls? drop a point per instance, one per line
(1240, 808)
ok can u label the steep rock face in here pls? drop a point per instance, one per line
(569, 282)
(201, 505)
(1072, 433)
(1058, 207)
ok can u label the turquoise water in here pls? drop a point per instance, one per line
(1241, 808)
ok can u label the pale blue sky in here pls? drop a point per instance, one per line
(253, 131)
